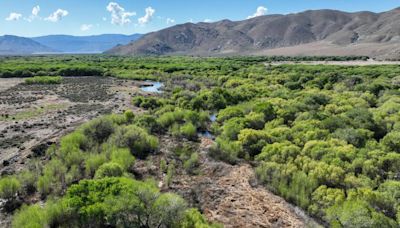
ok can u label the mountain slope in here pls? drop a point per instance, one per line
(15, 45)
(261, 34)
(85, 44)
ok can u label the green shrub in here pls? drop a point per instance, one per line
(44, 80)
(226, 150)
(123, 157)
(9, 187)
(392, 141)
(136, 139)
(99, 129)
(30, 217)
(188, 131)
(110, 169)
(93, 162)
(192, 163)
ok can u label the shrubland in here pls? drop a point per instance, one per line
(325, 138)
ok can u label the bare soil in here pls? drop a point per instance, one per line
(32, 117)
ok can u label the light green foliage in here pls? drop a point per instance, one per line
(9, 187)
(253, 141)
(110, 169)
(392, 141)
(30, 217)
(93, 162)
(123, 157)
(138, 140)
(44, 80)
(357, 214)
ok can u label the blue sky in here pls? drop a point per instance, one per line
(87, 17)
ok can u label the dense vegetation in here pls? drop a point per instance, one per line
(326, 138)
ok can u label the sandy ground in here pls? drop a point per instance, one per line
(336, 63)
(379, 51)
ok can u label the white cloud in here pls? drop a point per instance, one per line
(170, 21)
(35, 14)
(261, 10)
(147, 17)
(208, 20)
(118, 14)
(35, 11)
(57, 15)
(14, 17)
(86, 27)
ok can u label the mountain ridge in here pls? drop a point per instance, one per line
(259, 35)
(85, 44)
(15, 45)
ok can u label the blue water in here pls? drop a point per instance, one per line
(207, 134)
(213, 117)
(154, 88)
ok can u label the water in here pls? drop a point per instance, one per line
(207, 134)
(213, 117)
(153, 88)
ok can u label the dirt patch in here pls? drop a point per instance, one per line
(226, 194)
(33, 115)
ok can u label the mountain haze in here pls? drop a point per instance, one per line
(315, 32)
(85, 44)
(15, 45)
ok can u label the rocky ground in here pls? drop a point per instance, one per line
(32, 117)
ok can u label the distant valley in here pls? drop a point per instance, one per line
(14, 45)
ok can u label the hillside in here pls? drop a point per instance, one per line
(334, 32)
(85, 44)
(15, 45)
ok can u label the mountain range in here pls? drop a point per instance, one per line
(314, 32)
(85, 44)
(14, 45)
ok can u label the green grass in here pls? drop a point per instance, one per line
(44, 80)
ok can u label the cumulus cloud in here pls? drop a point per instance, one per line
(14, 17)
(119, 16)
(35, 14)
(261, 10)
(35, 11)
(208, 20)
(147, 17)
(86, 27)
(57, 15)
(170, 21)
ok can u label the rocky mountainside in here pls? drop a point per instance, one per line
(85, 44)
(334, 32)
(15, 45)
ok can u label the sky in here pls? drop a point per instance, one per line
(31, 18)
